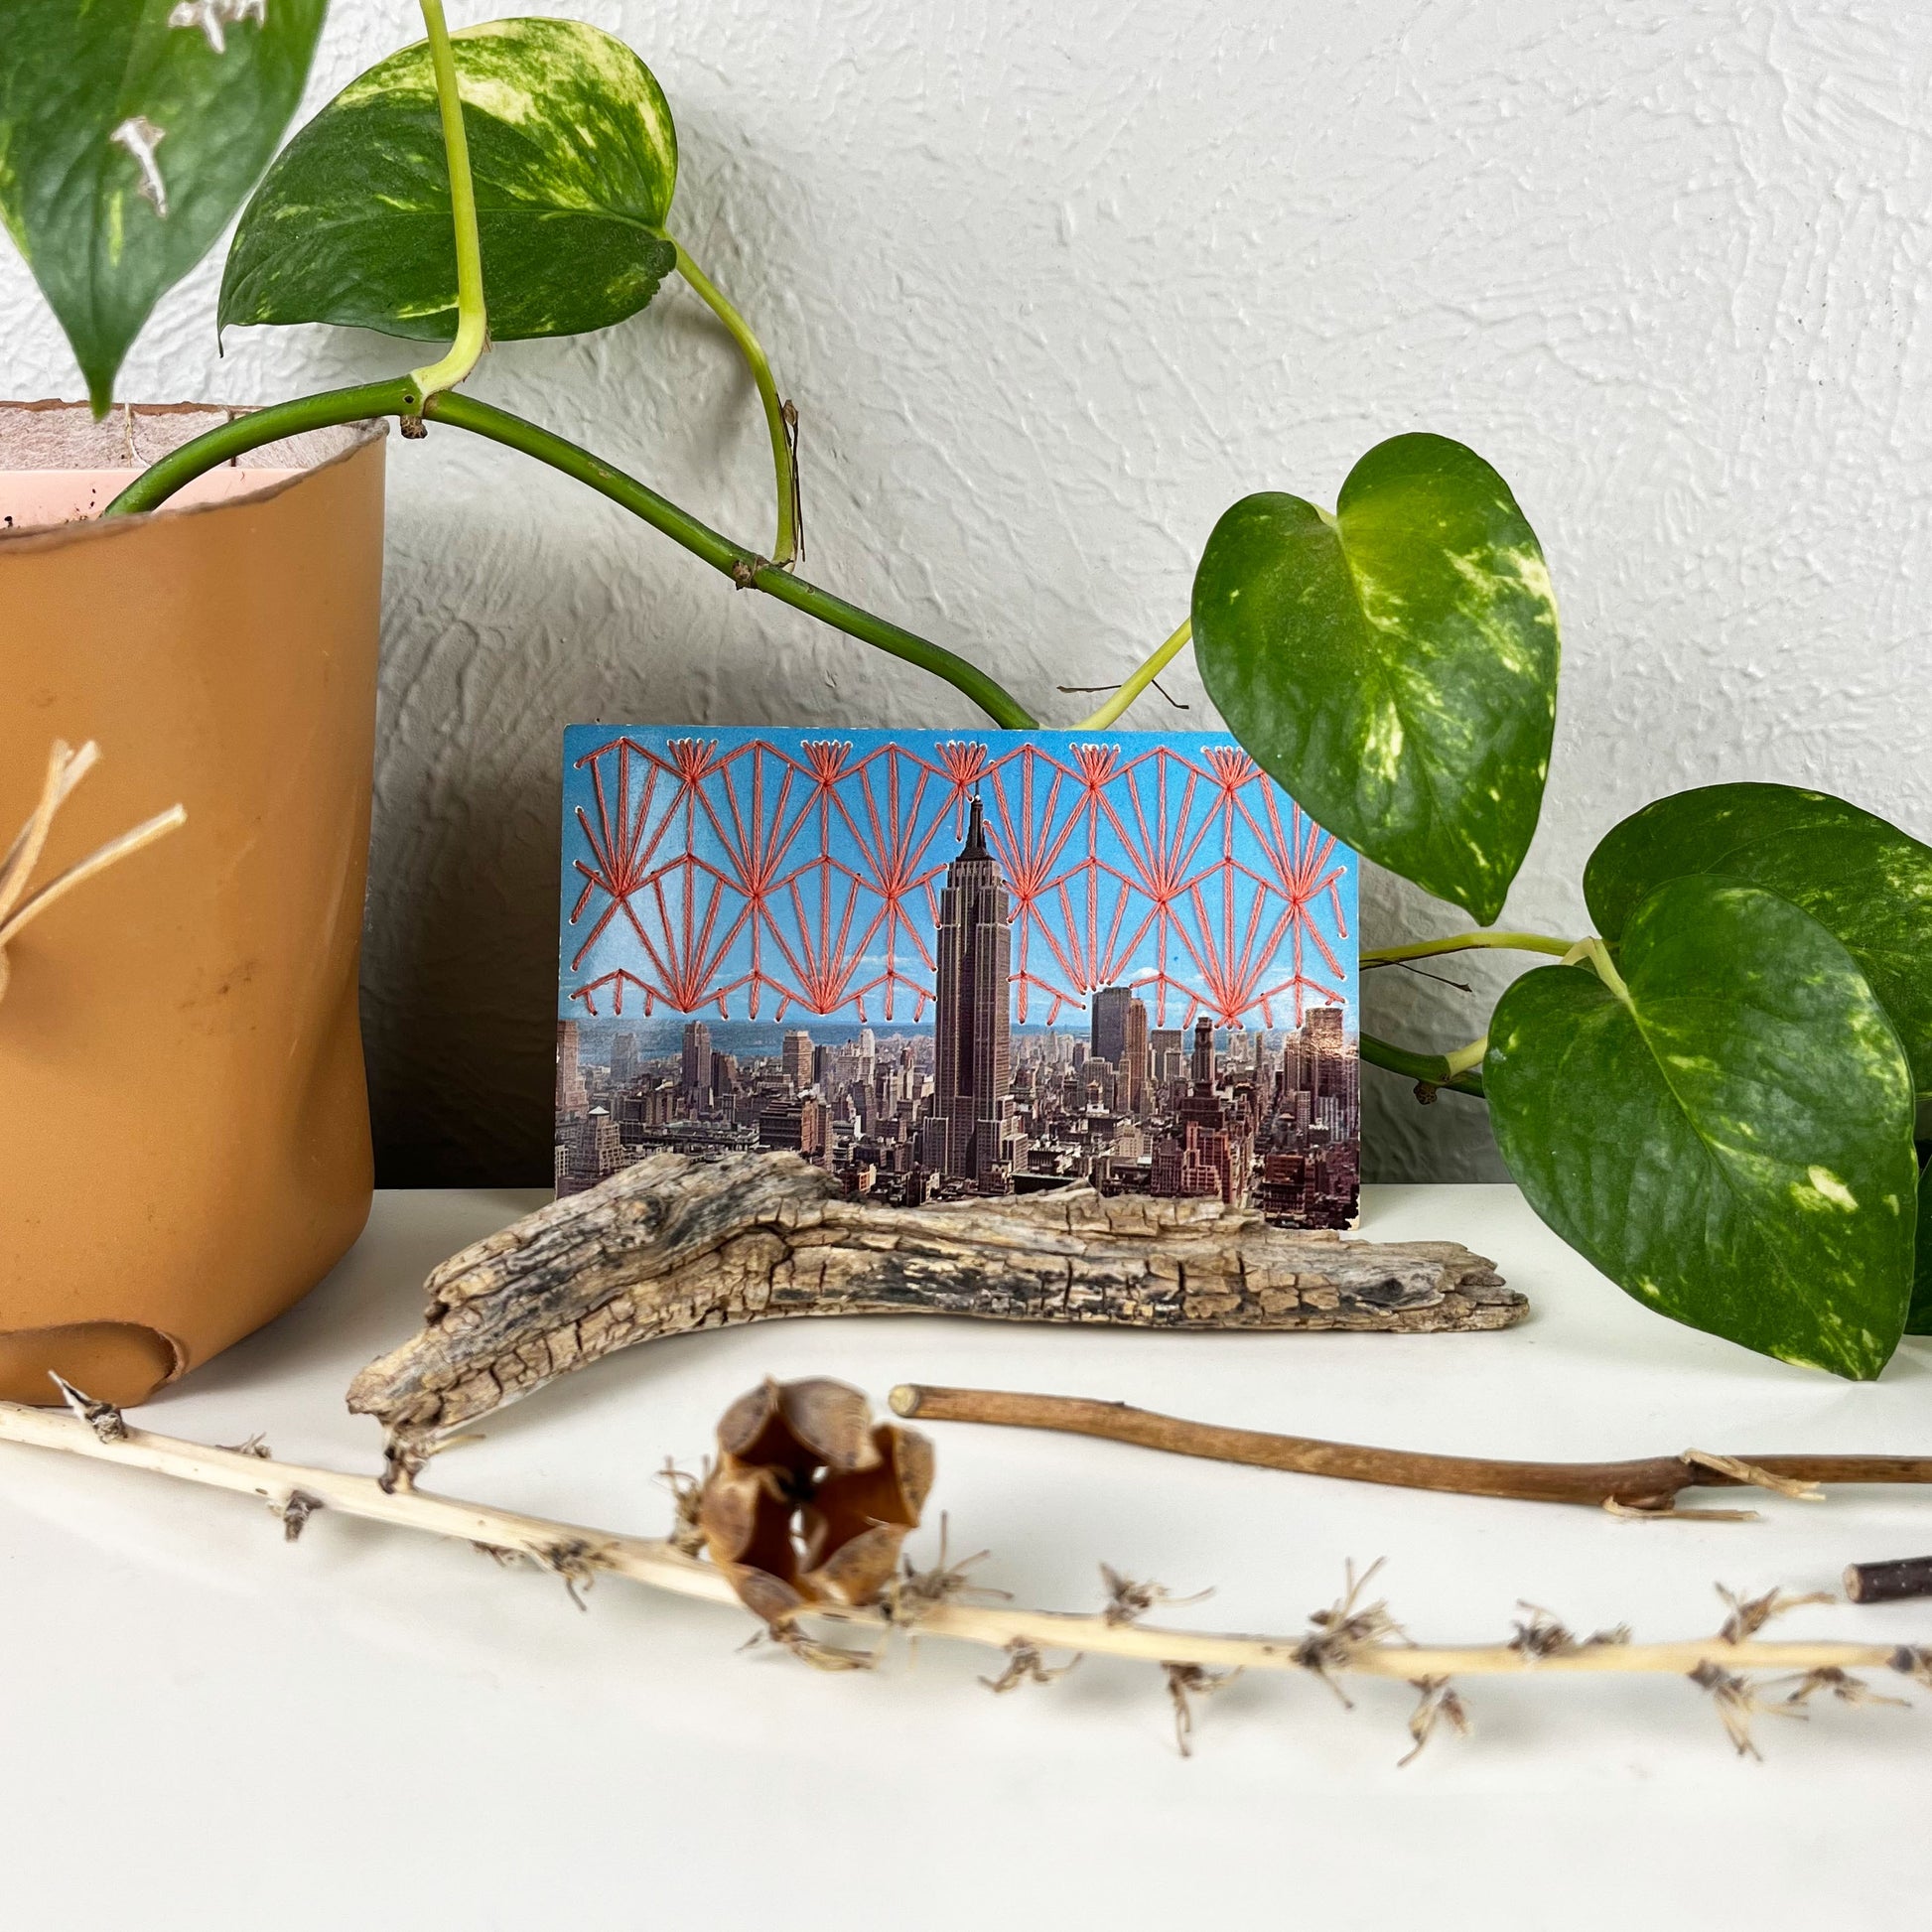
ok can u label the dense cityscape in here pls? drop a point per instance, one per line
(972, 1105)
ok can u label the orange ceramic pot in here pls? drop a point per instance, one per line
(184, 1123)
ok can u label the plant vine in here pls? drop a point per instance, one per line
(1755, 1023)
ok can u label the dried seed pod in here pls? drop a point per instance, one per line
(801, 1427)
(811, 1500)
(856, 1520)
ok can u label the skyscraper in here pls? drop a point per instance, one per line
(1133, 1061)
(1204, 1054)
(1323, 1027)
(1166, 1044)
(1107, 1034)
(796, 1058)
(624, 1059)
(571, 1097)
(972, 1031)
(697, 1060)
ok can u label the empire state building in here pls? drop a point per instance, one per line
(972, 1031)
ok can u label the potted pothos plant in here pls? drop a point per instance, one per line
(1716, 1096)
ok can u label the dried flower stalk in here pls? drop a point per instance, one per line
(1366, 1648)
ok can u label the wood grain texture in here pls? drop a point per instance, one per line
(670, 1245)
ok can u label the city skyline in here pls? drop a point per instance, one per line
(1142, 1084)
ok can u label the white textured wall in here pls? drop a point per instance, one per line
(1054, 284)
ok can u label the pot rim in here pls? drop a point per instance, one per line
(359, 436)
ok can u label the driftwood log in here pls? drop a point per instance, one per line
(671, 1245)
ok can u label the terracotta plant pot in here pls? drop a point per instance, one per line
(184, 1125)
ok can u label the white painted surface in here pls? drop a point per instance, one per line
(211, 1732)
(1052, 286)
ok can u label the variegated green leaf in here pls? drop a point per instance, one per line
(1730, 1140)
(1858, 876)
(1394, 666)
(574, 159)
(129, 132)
(1919, 1323)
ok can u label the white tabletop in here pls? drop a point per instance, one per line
(208, 1728)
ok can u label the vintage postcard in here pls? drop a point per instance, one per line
(957, 963)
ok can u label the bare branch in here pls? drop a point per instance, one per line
(1351, 1637)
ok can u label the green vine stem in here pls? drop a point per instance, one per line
(786, 549)
(1593, 953)
(1117, 705)
(401, 396)
(1468, 942)
(1461, 1072)
(1429, 1071)
(472, 322)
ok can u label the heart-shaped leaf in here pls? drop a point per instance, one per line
(129, 132)
(574, 156)
(1730, 1140)
(1856, 875)
(1393, 666)
(1919, 1322)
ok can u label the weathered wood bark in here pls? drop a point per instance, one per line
(671, 1245)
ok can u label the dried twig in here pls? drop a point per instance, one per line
(1348, 1638)
(1889, 1583)
(1643, 1486)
